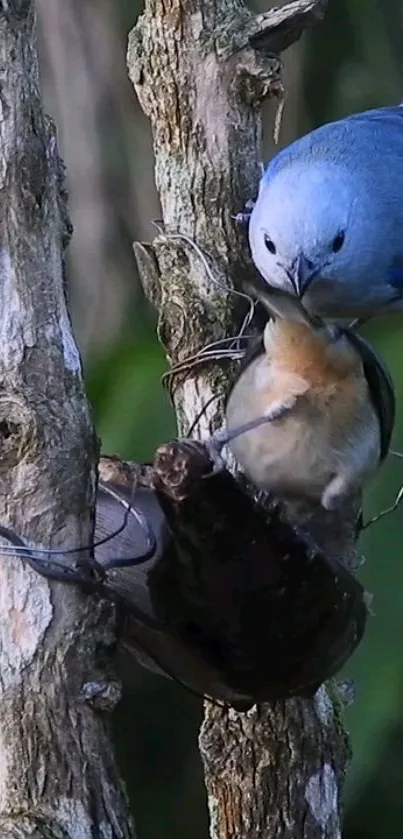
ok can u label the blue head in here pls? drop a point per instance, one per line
(315, 232)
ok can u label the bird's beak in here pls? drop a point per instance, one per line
(302, 274)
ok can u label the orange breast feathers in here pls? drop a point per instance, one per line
(311, 363)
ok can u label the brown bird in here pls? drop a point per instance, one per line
(311, 413)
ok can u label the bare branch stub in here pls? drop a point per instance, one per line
(50, 635)
(201, 71)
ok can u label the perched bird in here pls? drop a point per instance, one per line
(312, 412)
(327, 224)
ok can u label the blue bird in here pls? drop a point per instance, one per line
(327, 224)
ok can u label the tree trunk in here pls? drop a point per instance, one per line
(201, 71)
(58, 779)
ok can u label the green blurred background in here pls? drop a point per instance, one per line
(353, 61)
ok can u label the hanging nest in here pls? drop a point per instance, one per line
(234, 603)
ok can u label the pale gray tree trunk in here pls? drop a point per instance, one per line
(58, 778)
(201, 71)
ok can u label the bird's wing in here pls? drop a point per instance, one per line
(380, 386)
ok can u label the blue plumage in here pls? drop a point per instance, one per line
(328, 221)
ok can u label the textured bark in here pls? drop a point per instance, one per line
(201, 71)
(58, 779)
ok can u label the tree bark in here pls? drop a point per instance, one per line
(201, 71)
(58, 778)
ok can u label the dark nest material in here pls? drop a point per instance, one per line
(235, 603)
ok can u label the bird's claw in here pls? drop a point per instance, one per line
(213, 448)
(244, 216)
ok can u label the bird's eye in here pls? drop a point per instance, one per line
(269, 244)
(338, 241)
